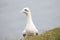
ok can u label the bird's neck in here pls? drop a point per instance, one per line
(29, 18)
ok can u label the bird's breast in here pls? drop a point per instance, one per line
(30, 28)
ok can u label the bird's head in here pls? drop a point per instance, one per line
(26, 10)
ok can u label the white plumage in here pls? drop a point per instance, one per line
(30, 29)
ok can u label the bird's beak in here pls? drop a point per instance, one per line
(22, 11)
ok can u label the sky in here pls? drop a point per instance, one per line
(45, 15)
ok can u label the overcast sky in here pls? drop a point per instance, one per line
(45, 14)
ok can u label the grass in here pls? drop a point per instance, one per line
(53, 34)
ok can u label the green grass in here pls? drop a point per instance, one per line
(53, 34)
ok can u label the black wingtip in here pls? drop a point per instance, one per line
(36, 33)
(24, 35)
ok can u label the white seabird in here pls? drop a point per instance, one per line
(30, 29)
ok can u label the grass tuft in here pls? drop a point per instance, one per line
(53, 34)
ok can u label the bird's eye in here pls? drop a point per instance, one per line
(26, 10)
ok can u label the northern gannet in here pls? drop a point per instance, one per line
(30, 29)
